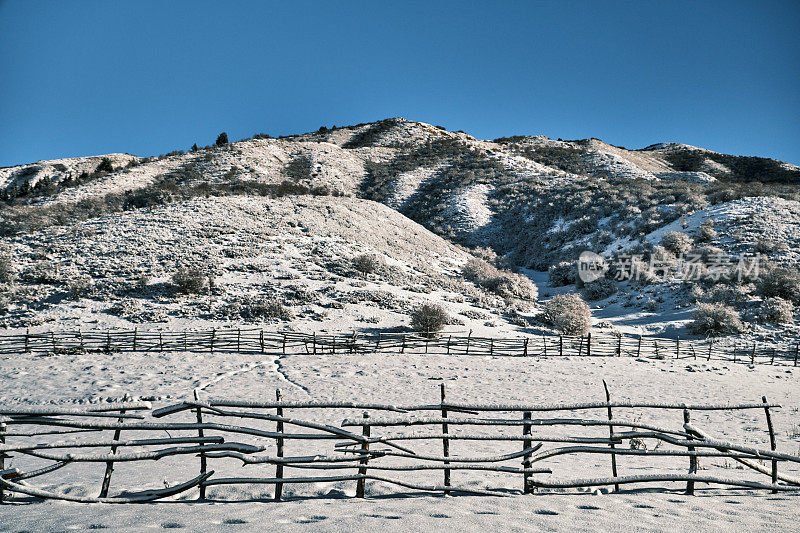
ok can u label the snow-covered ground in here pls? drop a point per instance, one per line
(412, 379)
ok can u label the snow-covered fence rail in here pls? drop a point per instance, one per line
(455, 343)
(449, 447)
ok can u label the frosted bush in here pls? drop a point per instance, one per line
(677, 242)
(561, 274)
(715, 319)
(777, 310)
(599, 289)
(429, 318)
(367, 263)
(706, 232)
(781, 282)
(189, 280)
(568, 313)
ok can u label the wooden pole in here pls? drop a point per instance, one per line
(796, 352)
(213, 334)
(53, 339)
(677, 347)
(772, 358)
(469, 335)
(362, 469)
(184, 342)
(639, 347)
(108, 342)
(525, 348)
(491, 346)
(710, 345)
(450, 338)
(619, 346)
(560, 345)
(80, 338)
(203, 462)
(445, 440)
(314, 343)
(403, 347)
(261, 340)
(753, 354)
(27, 334)
(135, 330)
(283, 346)
(589, 344)
(526, 461)
(378, 343)
(771, 444)
(735, 346)
(611, 434)
(544, 345)
(279, 453)
(238, 340)
(2, 458)
(110, 464)
(160, 342)
(692, 458)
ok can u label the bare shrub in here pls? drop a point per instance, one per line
(777, 310)
(715, 319)
(189, 280)
(599, 289)
(266, 308)
(429, 318)
(568, 313)
(367, 263)
(677, 242)
(501, 282)
(564, 273)
(768, 246)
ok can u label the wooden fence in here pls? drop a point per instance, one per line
(456, 343)
(379, 444)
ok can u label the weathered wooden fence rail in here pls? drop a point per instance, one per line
(379, 443)
(456, 343)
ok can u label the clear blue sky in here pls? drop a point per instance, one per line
(92, 77)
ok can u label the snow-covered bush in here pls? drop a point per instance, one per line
(265, 308)
(599, 289)
(189, 280)
(367, 263)
(568, 313)
(501, 282)
(42, 272)
(768, 246)
(715, 319)
(564, 273)
(79, 286)
(777, 310)
(782, 282)
(677, 242)
(734, 295)
(429, 318)
(706, 231)
(477, 269)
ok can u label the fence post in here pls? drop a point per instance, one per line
(771, 443)
(610, 435)
(283, 346)
(110, 464)
(134, 338)
(589, 344)
(200, 433)
(468, 337)
(450, 338)
(80, 338)
(677, 347)
(753, 354)
(526, 460)
(2, 458)
(279, 443)
(710, 346)
(238, 340)
(491, 346)
(185, 349)
(735, 346)
(53, 339)
(445, 440)
(692, 458)
(772, 358)
(639, 347)
(544, 345)
(403, 347)
(525, 348)
(619, 346)
(362, 470)
(314, 343)
(213, 334)
(796, 352)
(560, 345)
(27, 334)
(378, 343)
(160, 342)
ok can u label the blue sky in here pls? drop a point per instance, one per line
(91, 77)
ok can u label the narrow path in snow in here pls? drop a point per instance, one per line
(276, 364)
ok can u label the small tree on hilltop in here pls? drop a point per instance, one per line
(222, 139)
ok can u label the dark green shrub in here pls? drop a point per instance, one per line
(367, 263)
(189, 280)
(104, 166)
(222, 139)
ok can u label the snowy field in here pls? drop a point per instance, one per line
(411, 379)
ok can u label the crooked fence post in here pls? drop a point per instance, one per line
(526, 460)
(200, 433)
(445, 440)
(639, 347)
(692, 458)
(2, 458)
(771, 443)
(450, 338)
(110, 464)
(796, 353)
(610, 436)
(279, 444)
(362, 469)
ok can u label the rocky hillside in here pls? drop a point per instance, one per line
(282, 222)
